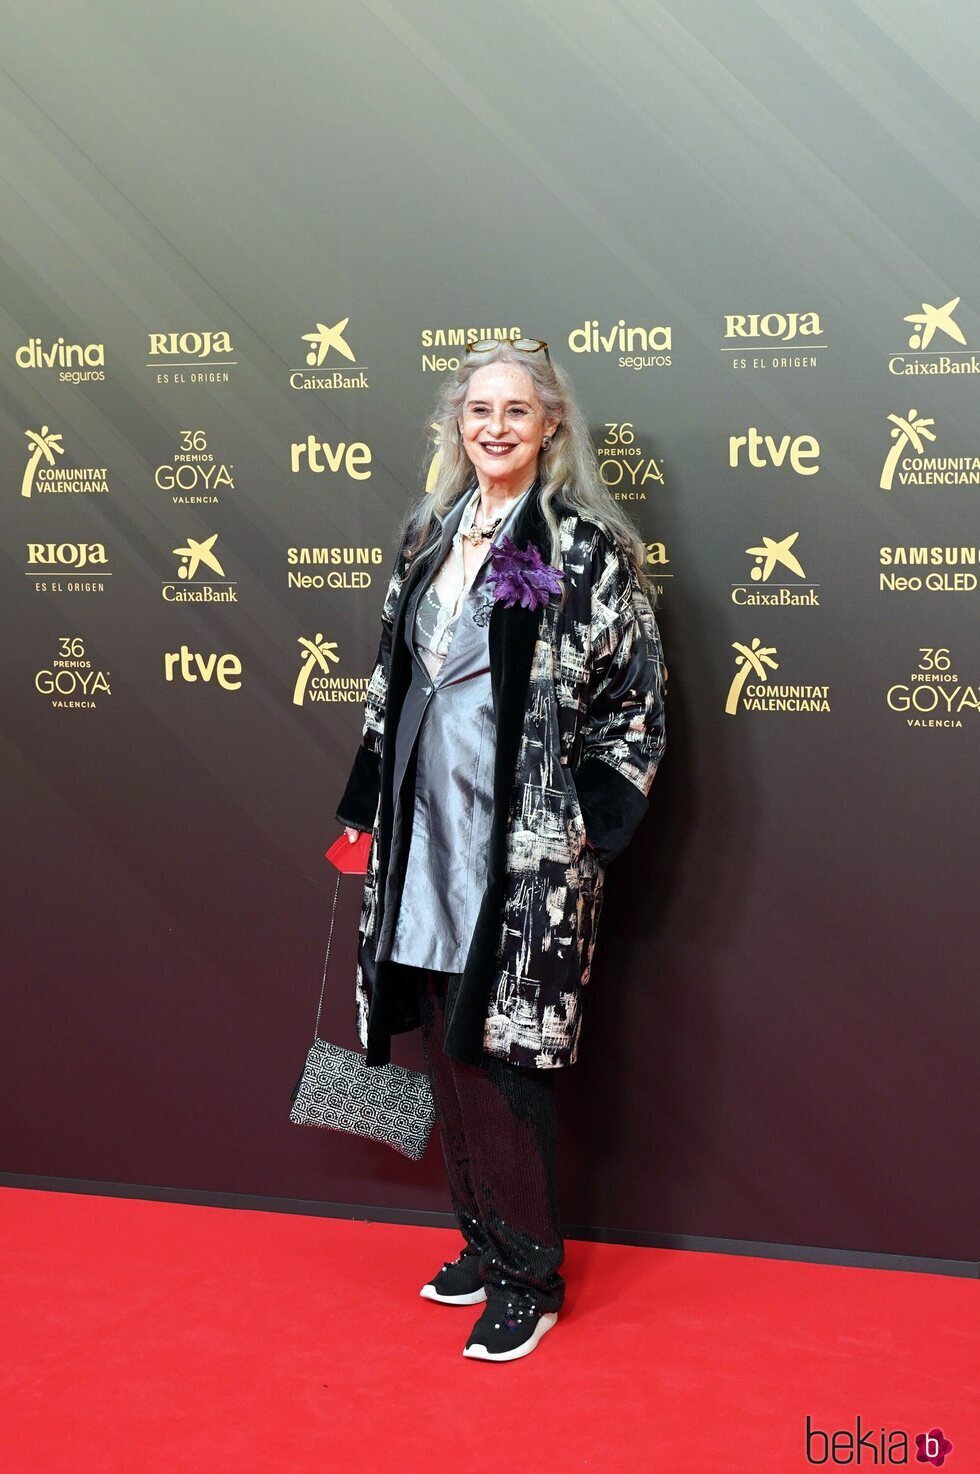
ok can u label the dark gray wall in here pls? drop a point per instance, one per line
(782, 1047)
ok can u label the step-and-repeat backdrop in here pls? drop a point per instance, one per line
(240, 250)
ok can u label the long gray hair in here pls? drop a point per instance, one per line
(568, 469)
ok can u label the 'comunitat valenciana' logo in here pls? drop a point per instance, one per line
(191, 358)
(773, 339)
(942, 359)
(627, 470)
(75, 363)
(315, 682)
(327, 357)
(44, 475)
(908, 464)
(197, 560)
(752, 690)
(769, 558)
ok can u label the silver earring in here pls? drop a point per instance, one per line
(546, 442)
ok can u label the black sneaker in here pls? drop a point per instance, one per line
(458, 1282)
(507, 1330)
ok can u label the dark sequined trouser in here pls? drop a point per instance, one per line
(496, 1123)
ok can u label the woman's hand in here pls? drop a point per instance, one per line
(352, 833)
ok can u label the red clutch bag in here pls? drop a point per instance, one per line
(350, 859)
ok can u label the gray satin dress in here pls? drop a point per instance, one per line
(448, 710)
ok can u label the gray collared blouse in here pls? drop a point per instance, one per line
(448, 720)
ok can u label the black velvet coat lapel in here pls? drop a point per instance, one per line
(512, 635)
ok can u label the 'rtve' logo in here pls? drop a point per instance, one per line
(763, 450)
(355, 458)
(187, 665)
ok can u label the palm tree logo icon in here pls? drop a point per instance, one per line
(751, 660)
(317, 655)
(46, 446)
(932, 320)
(907, 431)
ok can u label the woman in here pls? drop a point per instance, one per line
(513, 725)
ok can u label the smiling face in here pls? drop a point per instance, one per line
(502, 425)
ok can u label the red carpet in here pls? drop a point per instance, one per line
(142, 1337)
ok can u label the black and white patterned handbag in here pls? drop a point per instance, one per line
(338, 1090)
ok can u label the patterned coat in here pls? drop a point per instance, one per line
(579, 698)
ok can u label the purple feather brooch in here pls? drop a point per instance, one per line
(522, 577)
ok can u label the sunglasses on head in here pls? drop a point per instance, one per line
(523, 345)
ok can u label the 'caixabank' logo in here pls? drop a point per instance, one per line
(331, 362)
(937, 325)
(768, 586)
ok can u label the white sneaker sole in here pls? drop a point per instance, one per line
(480, 1353)
(429, 1292)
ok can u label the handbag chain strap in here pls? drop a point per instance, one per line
(326, 959)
